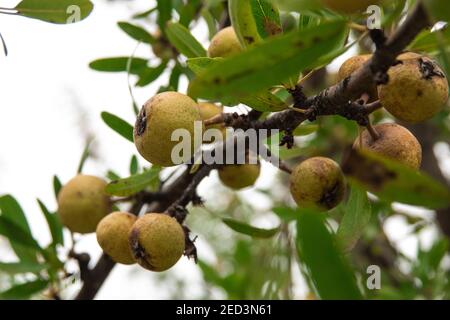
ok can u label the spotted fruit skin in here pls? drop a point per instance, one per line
(395, 142)
(417, 89)
(157, 241)
(224, 44)
(158, 119)
(351, 65)
(112, 236)
(317, 182)
(239, 176)
(82, 203)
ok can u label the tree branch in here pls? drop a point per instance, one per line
(334, 100)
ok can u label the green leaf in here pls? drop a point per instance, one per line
(267, 17)
(249, 230)
(136, 32)
(17, 236)
(263, 101)
(305, 129)
(11, 212)
(84, 156)
(55, 226)
(134, 166)
(327, 267)
(55, 11)
(117, 124)
(164, 13)
(25, 290)
(243, 21)
(56, 186)
(268, 63)
(430, 41)
(438, 9)
(394, 182)
(299, 5)
(133, 184)
(148, 75)
(119, 64)
(22, 267)
(357, 216)
(180, 37)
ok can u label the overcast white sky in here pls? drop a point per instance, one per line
(49, 97)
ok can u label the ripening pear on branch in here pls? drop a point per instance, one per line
(224, 44)
(394, 142)
(239, 176)
(112, 236)
(157, 241)
(82, 203)
(158, 119)
(417, 89)
(318, 182)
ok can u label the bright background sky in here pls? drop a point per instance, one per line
(49, 99)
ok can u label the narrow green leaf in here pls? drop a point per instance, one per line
(148, 75)
(111, 175)
(305, 129)
(180, 37)
(134, 166)
(133, 184)
(267, 17)
(318, 251)
(55, 11)
(12, 212)
(25, 290)
(117, 124)
(57, 185)
(136, 32)
(249, 230)
(268, 63)
(430, 41)
(357, 216)
(264, 101)
(54, 225)
(144, 14)
(84, 156)
(164, 8)
(439, 10)
(14, 268)
(210, 22)
(119, 64)
(394, 182)
(243, 22)
(16, 235)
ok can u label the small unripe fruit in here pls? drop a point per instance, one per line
(349, 6)
(157, 241)
(158, 118)
(82, 203)
(112, 236)
(317, 182)
(351, 65)
(239, 176)
(224, 44)
(417, 89)
(209, 110)
(394, 142)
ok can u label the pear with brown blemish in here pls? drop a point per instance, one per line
(317, 182)
(157, 241)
